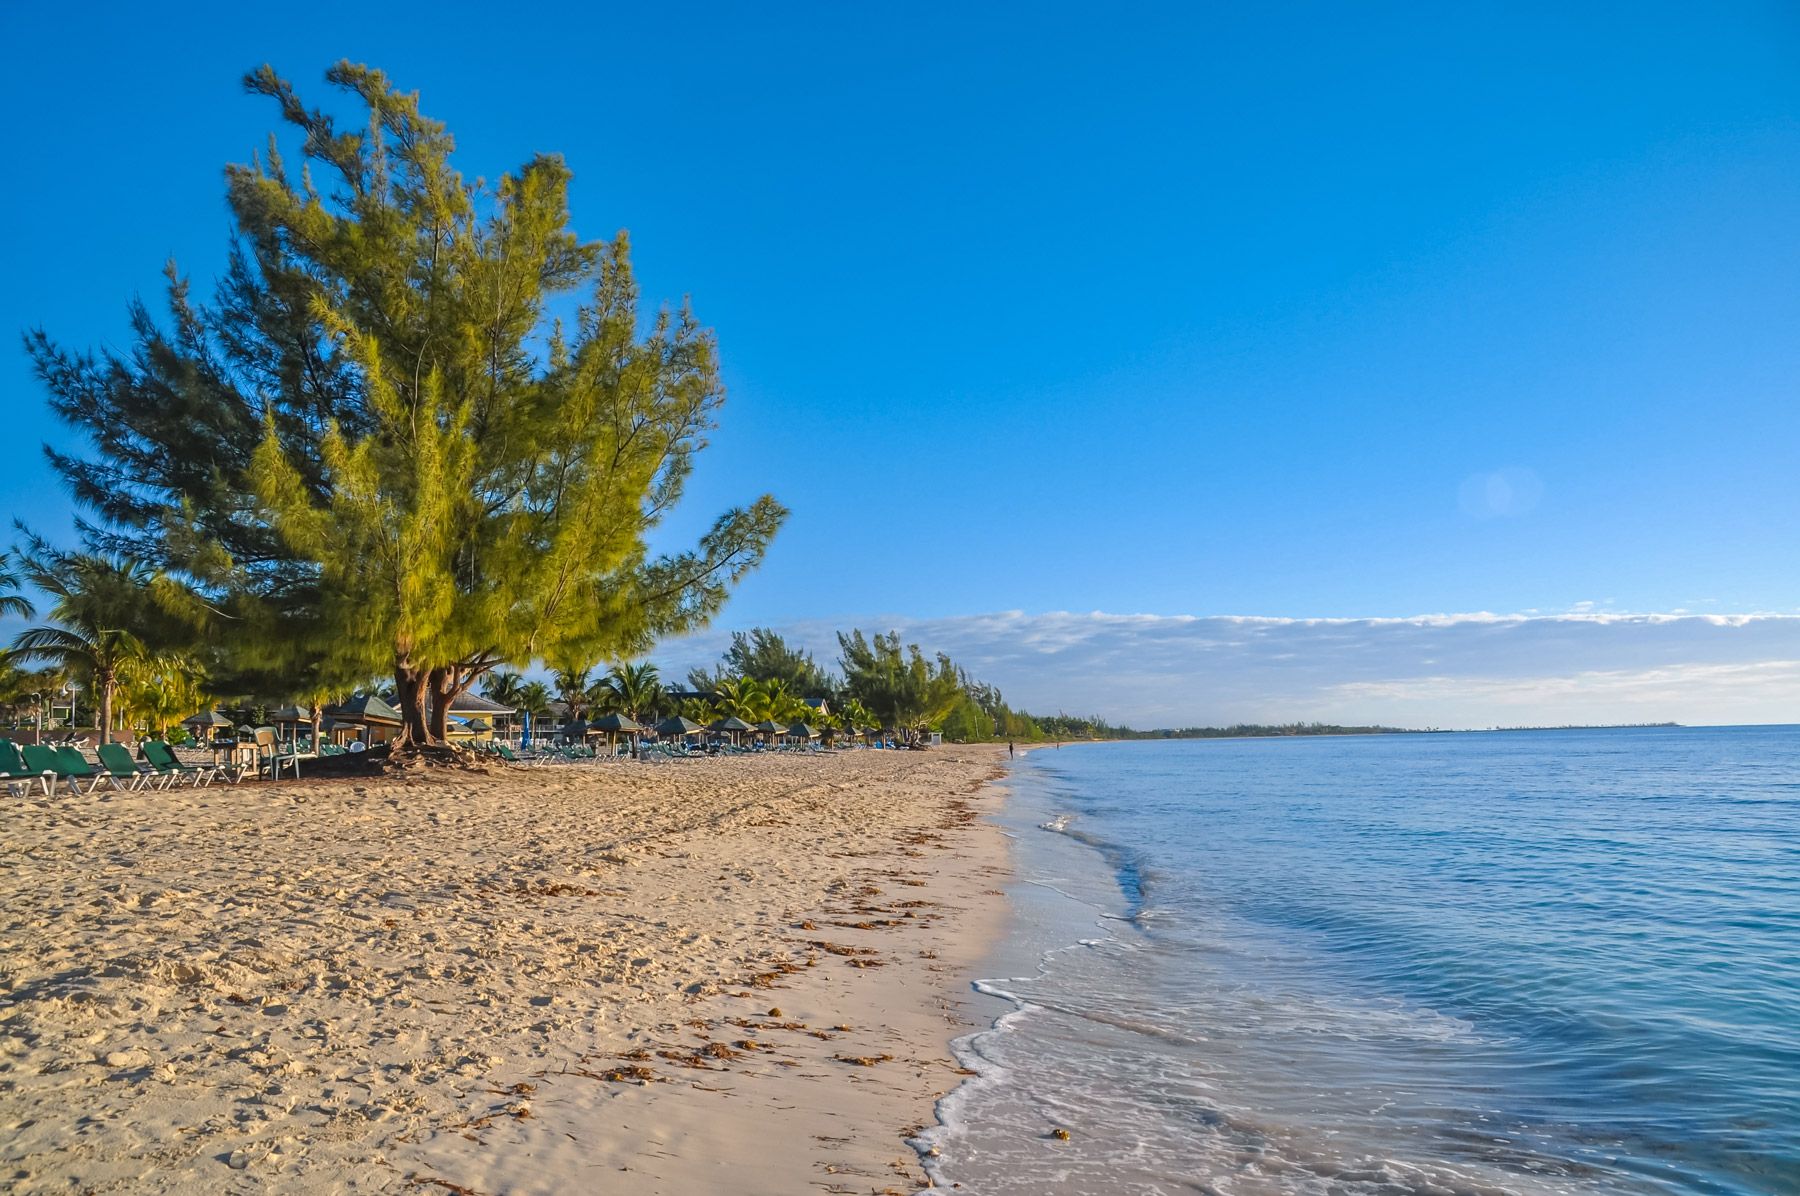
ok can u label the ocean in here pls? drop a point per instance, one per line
(1510, 962)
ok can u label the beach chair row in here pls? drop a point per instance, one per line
(42, 767)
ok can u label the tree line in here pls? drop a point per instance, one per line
(880, 682)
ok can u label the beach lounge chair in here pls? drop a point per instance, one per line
(67, 763)
(512, 757)
(234, 767)
(161, 757)
(119, 766)
(17, 776)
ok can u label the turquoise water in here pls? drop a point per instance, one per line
(1485, 963)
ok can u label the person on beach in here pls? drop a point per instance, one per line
(1009, 749)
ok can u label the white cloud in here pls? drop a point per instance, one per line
(1448, 670)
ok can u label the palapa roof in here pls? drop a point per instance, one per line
(677, 725)
(365, 708)
(730, 723)
(615, 722)
(474, 703)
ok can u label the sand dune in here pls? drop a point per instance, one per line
(543, 980)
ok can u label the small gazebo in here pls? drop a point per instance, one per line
(378, 721)
(615, 725)
(677, 727)
(206, 722)
(730, 725)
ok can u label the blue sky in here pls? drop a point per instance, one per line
(1306, 312)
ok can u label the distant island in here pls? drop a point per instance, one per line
(1589, 727)
(1064, 727)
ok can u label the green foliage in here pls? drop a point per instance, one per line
(23, 691)
(503, 686)
(375, 451)
(696, 710)
(106, 615)
(534, 698)
(157, 690)
(967, 722)
(635, 690)
(760, 701)
(853, 715)
(762, 655)
(572, 691)
(898, 684)
(11, 601)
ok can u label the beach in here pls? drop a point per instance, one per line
(739, 974)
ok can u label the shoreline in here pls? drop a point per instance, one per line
(513, 983)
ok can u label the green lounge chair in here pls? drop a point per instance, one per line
(75, 766)
(119, 766)
(39, 758)
(512, 757)
(17, 777)
(72, 767)
(162, 758)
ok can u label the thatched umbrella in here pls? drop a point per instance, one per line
(616, 724)
(678, 726)
(732, 725)
(802, 731)
(770, 727)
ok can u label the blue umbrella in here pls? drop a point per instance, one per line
(525, 729)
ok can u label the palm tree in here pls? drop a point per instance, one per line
(96, 603)
(11, 601)
(855, 715)
(781, 706)
(633, 689)
(741, 697)
(571, 690)
(503, 687)
(534, 699)
(157, 689)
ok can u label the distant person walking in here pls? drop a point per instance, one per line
(1009, 750)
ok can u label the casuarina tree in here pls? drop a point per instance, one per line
(375, 451)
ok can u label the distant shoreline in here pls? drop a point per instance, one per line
(1334, 732)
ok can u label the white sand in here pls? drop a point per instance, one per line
(426, 987)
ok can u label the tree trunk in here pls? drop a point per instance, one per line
(410, 687)
(443, 692)
(425, 699)
(106, 697)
